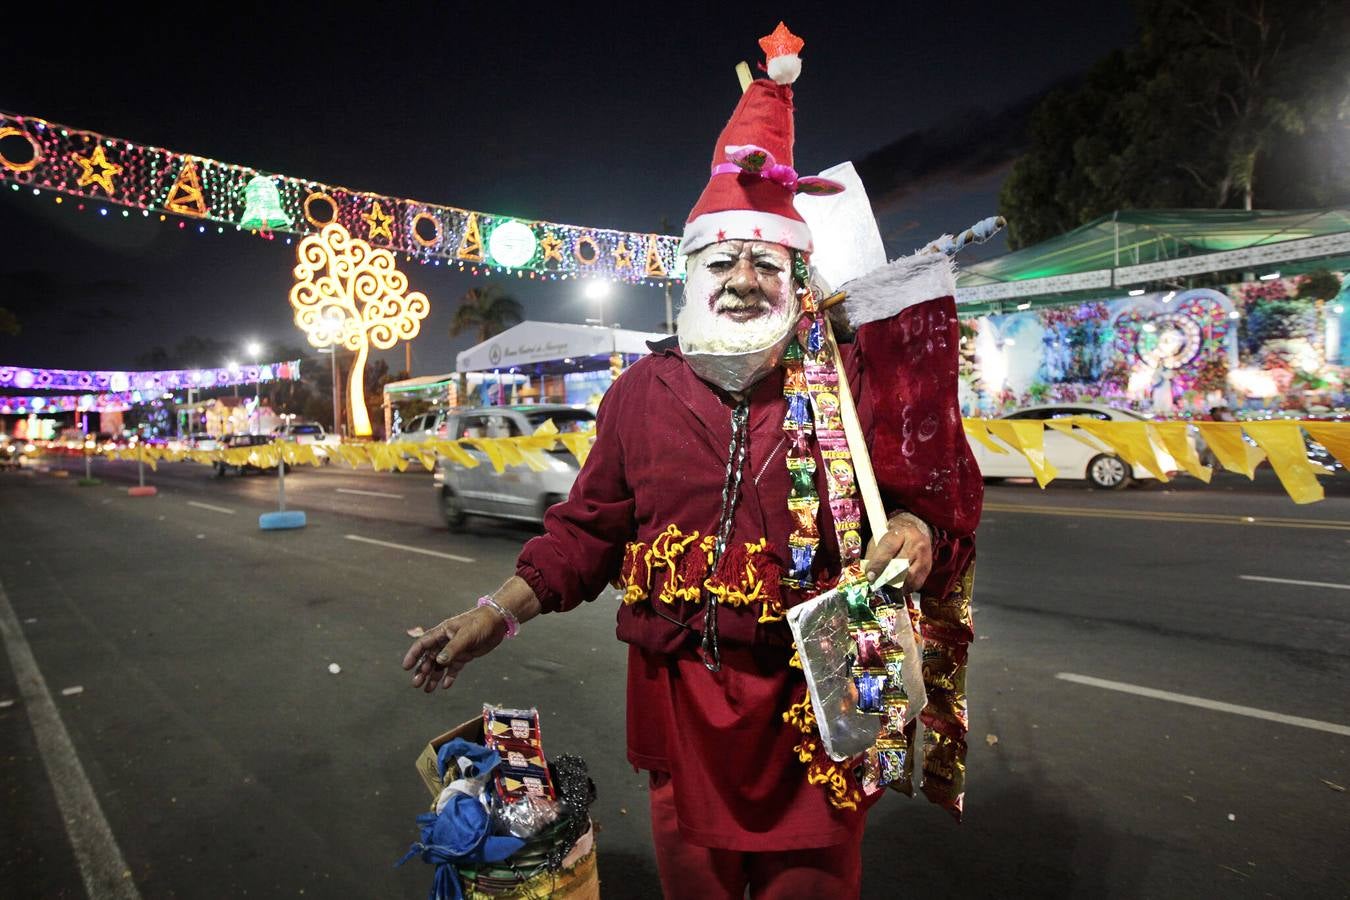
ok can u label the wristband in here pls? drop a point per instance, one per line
(512, 623)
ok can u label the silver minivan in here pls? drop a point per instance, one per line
(519, 492)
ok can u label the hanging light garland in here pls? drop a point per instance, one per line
(103, 171)
(152, 382)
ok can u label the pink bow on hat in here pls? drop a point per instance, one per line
(752, 160)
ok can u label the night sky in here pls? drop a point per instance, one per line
(594, 114)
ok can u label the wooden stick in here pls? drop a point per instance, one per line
(865, 477)
(743, 75)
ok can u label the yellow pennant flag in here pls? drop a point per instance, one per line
(1067, 426)
(1232, 452)
(578, 444)
(353, 454)
(1130, 440)
(1283, 443)
(426, 455)
(979, 430)
(452, 451)
(490, 447)
(1177, 440)
(1027, 436)
(1335, 436)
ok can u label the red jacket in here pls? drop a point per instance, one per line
(658, 461)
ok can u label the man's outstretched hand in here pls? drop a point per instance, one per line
(907, 537)
(438, 656)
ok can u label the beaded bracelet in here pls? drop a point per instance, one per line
(512, 623)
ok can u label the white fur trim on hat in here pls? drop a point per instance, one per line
(905, 282)
(745, 225)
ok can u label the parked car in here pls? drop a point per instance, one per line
(234, 441)
(310, 433)
(1074, 458)
(518, 493)
(428, 426)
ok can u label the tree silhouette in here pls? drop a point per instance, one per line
(489, 310)
(349, 293)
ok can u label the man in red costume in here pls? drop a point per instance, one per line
(683, 504)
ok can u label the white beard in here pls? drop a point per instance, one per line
(733, 355)
(703, 331)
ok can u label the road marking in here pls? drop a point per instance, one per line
(369, 493)
(1152, 516)
(366, 540)
(1201, 702)
(102, 867)
(219, 509)
(1325, 584)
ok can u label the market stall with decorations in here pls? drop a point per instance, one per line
(1171, 313)
(573, 363)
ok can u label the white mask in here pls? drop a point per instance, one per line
(739, 312)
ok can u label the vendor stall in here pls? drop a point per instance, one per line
(573, 363)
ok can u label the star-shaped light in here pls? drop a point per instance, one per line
(106, 171)
(552, 248)
(623, 257)
(379, 222)
(781, 43)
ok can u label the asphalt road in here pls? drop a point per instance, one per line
(227, 760)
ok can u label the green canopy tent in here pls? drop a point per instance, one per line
(1139, 249)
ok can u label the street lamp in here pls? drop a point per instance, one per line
(254, 350)
(598, 291)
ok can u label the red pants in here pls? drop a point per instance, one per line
(699, 873)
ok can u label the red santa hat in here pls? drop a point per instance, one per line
(749, 196)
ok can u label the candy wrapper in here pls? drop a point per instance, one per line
(820, 629)
(523, 773)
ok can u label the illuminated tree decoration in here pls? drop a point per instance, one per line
(106, 171)
(471, 245)
(347, 292)
(262, 206)
(379, 223)
(185, 198)
(655, 268)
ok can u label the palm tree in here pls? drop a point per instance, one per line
(489, 309)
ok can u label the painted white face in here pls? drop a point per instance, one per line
(737, 297)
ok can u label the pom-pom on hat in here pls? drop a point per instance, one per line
(749, 196)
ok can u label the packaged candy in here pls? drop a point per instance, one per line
(870, 684)
(868, 639)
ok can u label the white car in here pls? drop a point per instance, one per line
(1078, 456)
(429, 426)
(519, 492)
(310, 433)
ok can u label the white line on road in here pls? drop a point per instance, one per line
(1201, 702)
(366, 540)
(102, 867)
(219, 509)
(1325, 584)
(369, 493)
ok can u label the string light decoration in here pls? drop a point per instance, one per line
(28, 405)
(154, 381)
(185, 197)
(103, 177)
(347, 292)
(94, 167)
